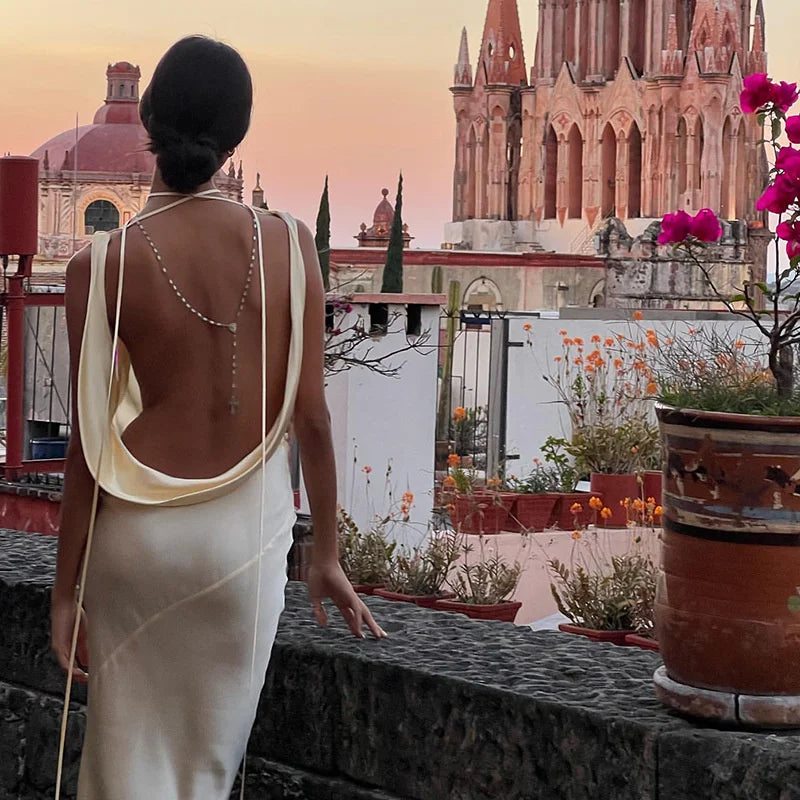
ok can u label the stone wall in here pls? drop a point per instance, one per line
(640, 273)
(445, 709)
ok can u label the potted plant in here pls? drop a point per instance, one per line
(606, 389)
(475, 508)
(364, 555)
(731, 429)
(535, 500)
(482, 588)
(418, 575)
(607, 596)
(556, 457)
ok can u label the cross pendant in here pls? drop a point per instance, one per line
(234, 405)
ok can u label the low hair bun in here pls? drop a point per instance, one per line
(184, 163)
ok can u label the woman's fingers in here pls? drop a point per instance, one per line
(319, 613)
(78, 675)
(376, 629)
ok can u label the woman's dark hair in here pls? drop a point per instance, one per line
(196, 108)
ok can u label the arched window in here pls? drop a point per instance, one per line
(743, 209)
(101, 215)
(550, 173)
(612, 37)
(637, 26)
(634, 172)
(683, 157)
(513, 158)
(700, 146)
(727, 202)
(472, 172)
(575, 173)
(608, 187)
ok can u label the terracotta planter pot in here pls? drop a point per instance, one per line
(731, 555)
(635, 640)
(504, 612)
(483, 512)
(368, 589)
(612, 637)
(614, 490)
(563, 518)
(424, 601)
(532, 512)
(652, 486)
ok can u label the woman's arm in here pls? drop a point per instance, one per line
(312, 428)
(76, 504)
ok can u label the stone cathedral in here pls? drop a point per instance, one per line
(629, 110)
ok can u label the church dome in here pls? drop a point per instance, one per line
(384, 213)
(115, 142)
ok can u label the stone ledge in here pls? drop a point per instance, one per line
(445, 708)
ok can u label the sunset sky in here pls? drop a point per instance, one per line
(357, 89)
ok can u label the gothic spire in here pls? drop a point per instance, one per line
(502, 59)
(463, 68)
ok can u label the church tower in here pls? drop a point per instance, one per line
(630, 110)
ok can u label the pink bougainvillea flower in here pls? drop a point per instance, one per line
(779, 196)
(788, 160)
(784, 95)
(758, 91)
(675, 228)
(788, 231)
(793, 129)
(706, 226)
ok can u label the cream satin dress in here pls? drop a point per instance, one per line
(182, 581)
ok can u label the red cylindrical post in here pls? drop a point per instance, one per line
(15, 306)
(19, 206)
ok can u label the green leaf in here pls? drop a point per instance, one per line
(777, 128)
(738, 298)
(794, 604)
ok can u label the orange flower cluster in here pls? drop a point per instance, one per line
(454, 460)
(460, 414)
(407, 502)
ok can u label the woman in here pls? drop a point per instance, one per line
(177, 510)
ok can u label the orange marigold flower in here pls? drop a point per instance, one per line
(454, 460)
(579, 341)
(404, 509)
(576, 535)
(558, 359)
(609, 342)
(579, 361)
(638, 505)
(589, 368)
(596, 339)
(527, 327)
(595, 503)
(658, 511)
(408, 498)
(652, 388)
(562, 333)
(606, 513)
(638, 316)
(460, 414)
(576, 508)
(739, 344)
(367, 470)
(568, 342)
(617, 363)
(449, 482)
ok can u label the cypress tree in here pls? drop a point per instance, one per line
(393, 271)
(323, 237)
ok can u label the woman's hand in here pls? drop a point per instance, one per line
(62, 623)
(329, 580)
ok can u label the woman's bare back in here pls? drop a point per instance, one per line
(183, 364)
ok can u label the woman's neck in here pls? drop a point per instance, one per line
(158, 185)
